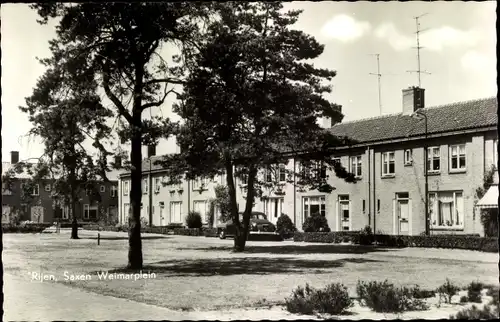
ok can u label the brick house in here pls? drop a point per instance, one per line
(41, 208)
(388, 158)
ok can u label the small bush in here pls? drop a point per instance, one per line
(464, 299)
(315, 223)
(285, 226)
(423, 294)
(366, 236)
(447, 290)
(474, 292)
(333, 299)
(486, 313)
(383, 297)
(193, 220)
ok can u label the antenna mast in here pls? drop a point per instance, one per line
(379, 76)
(419, 71)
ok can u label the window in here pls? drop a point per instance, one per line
(201, 206)
(157, 184)
(89, 211)
(457, 157)
(364, 206)
(345, 213)
(113, 191)
(495, 153)
(65, 212)
(5, 189)
(282, 173)
(356, 166)
(273, 207)
(47, 187)
(126, 187)
(433, 159)
(388, 164)
(269, 174)
(200, 183)
(378, 205)
(36, 190)
(408, 157)
(337, 160)
(103, 188)
(176, 212)
(145, 186)
(312, 205)
(446, 209)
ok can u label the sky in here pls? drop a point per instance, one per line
(459, 40)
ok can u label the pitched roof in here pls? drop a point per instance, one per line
(445, 118)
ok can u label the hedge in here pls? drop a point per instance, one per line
(210, 232)
(470, 242)
(165, 230)
(25, 228)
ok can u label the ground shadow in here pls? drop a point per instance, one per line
(239, 266)
(123, 237)
(300, 249)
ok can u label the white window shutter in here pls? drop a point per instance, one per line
(350, 215)
(395, 217)
(337, 217)
(410, 219)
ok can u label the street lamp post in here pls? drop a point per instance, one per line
(150, 195)
(419, 113)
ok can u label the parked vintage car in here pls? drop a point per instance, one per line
(258, 224)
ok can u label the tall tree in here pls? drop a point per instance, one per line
(252, 100)
(118, 45)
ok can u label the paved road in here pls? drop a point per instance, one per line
(47, 301)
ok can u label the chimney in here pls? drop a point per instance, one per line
(327, 121)
(151, 150)
(14, 157)
(413, 99)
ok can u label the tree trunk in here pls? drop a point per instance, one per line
(134, 233)
(239, 237)
(74, 222)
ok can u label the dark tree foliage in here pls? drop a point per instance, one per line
(116, 45)
(251, 101)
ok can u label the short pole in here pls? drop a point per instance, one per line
(98, 238)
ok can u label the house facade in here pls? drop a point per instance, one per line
(389, 160)
(39, 206)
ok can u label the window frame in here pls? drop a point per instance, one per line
(113, 191)
(102, 188)
(49, 186)
(458, 156)
(281, 172)
(434, 210)
(145, 186)
(386, 155)
(36, 190)
(431, 158)
(356, 167)
(408, 157)
(126, 187)
(205, 214)
(199, 184)
(157, 184)
(321, 199)
(88, 207)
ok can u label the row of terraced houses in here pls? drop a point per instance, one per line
(388, 159)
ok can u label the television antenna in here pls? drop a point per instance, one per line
(419, 71)
(379, 77)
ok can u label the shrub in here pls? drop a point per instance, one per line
(464, 299)
(211, 232)
(494, 293)
(315, 223)
(285, 226)
(447, 290)
(385, 298)
(423, 294)
(193, 220)
(486, 313)
(144, 222)
(474, 292)
(366, 236)
(333, 299)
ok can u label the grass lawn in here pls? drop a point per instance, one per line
(201, 273)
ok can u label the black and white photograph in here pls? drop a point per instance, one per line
(249, 160)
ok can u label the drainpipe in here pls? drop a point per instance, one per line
(369, 189)
(150, 195)
(294, 192)
(375, 203)
(189, 195)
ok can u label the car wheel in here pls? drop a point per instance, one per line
(222, 234)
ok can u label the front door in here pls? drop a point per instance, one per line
(175, 212)
(273, 208)
(403, 214)
(163, 220)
